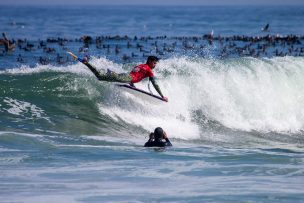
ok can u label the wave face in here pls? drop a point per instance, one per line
(209, 100)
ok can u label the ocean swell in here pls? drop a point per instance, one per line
(205, 95)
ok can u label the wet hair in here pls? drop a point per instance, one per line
(158, 133)
(152, 58)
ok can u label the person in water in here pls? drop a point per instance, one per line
(138, 73)
(7, 43)
(157, 138)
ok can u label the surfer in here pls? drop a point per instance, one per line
(7, 43)
(137, 74)
(156, 139)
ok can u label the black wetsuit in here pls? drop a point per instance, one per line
(158, 143)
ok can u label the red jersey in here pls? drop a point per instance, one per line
(140, 72)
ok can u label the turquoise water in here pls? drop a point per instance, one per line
(236, 124)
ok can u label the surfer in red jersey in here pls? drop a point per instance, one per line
(138, 73)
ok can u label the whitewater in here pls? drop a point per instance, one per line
(245, 95)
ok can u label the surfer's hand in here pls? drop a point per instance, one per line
(166, 99)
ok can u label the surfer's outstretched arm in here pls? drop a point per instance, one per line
(155, 85)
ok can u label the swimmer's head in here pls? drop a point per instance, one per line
(158, 133)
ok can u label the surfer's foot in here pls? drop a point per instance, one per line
(109, 72)
(84, 60)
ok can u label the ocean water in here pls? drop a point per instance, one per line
(236, 123)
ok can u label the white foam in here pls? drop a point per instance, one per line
(17, 107)
(246, 94)
(102, 64)
(20, 134)
(254, 94)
